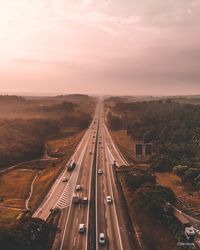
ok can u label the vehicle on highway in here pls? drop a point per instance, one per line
(78, 187)
(109, 199)
(114, 163)
(100, 171)
(102, 239)
(76, 199)
(64, 179)
(82, 228)
(85, 200)
(71, 166)
(55, 210)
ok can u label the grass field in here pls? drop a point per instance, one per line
(180, 189)
(64, 146)
(152, 233)
(14, 187)
(124, 143)
(8, 217)
(15, 184)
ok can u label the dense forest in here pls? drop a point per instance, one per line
(173, 128)
(32, 122)
(28, 234)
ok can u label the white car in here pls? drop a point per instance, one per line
(100, 171)
(85, 200)
(64, 179)
(109, 199)
(102, 239)
(78, 187)
(82, 228)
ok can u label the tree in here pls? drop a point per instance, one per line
(180, 170)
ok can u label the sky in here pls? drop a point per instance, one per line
(117, 47)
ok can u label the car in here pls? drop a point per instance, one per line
(76, 199)
(64, 179)
(114, 163)
(85, 200)
(81, 228)
(102, 239)
(100, 171)
(78, 187)
(55, 210)
(109, 199)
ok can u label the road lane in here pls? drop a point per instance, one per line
(78, 214)
(95, 151)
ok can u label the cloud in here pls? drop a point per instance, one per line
(105, 42)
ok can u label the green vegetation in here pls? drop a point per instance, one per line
(25, 125)
(188, 174)
(146, 201)
(173, 128)
(115, 122)
(28, 234)
(146, 191)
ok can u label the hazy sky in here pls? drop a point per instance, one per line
(100, 46)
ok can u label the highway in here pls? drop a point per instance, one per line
(95, 151)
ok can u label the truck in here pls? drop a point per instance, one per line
(71, 165)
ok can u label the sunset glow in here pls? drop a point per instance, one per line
(106, 47)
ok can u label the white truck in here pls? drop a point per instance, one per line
(71, 165)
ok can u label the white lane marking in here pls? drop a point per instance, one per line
(74, 243)
(50, 194)
(65, 228)
(107, 232)
(114, 206)
(67, 194)
(89, 198)
(96, 169)
(106, 215)
(117, 151)
(77, 221)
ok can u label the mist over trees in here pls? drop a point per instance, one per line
(23, 137)
(172, 127)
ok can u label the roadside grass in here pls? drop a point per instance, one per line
(152, 233)
(8, 217)
(182, 190)
(15, 186)
(124, 143)
(45, 180)
(64, 146)
(43, 183)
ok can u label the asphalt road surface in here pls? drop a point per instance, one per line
(95, 151)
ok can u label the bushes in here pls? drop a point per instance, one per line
(115, 122)
(179, 170)
(139, 178)
(173, 128)
(23, 140)
(147, 195)
(29, 234)
(191, 175)
(154, 197)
